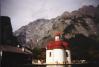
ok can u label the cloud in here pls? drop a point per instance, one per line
(24, 11)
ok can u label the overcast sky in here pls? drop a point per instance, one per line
(22, 12)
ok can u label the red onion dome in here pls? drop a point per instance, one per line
(65, 44)
(60, 44)
(50, 45)
(57, 45)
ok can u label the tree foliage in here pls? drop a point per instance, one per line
(83, 47)
(36, 52)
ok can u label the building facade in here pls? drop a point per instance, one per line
(56, 52)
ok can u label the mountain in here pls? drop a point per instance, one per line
(83, 21)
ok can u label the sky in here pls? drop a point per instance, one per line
(22, 12)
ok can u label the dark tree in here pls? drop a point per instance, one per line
(83, 47)
(6, 34)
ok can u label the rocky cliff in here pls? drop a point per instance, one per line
(37, 33)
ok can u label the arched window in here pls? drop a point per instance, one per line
(50, 54)
(66, 54)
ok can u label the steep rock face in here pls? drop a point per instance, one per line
(39, 32)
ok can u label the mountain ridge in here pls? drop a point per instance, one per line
(39, 32)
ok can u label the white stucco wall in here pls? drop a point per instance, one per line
(69, 56)
(49, 57)
(59, 56)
